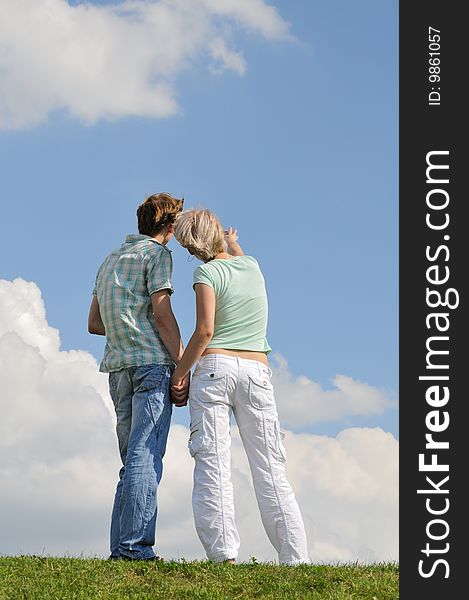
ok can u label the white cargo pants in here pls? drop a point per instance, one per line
(222, 385)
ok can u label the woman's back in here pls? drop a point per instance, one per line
(241, 311)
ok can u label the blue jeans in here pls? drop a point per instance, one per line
(141, 397)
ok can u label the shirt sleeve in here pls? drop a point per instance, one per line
(95, 289)
(159, 272)
(203, 275)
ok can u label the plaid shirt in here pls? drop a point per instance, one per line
(124, 283)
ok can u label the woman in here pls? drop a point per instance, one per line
(233, 376)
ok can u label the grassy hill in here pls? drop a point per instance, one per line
(30, 577)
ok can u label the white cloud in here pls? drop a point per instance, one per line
(227, 59)
(116, 60)
(60, 460)
(302, 402)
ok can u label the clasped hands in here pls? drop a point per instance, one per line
(180, 389)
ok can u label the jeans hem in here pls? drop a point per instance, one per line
(136, 555)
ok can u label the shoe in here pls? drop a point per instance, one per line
(151, 559)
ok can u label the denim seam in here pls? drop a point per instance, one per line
(154, 434)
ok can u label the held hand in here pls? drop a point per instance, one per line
(180, 389)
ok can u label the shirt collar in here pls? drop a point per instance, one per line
(138, 237)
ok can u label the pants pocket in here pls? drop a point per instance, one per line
(211, 386)
(281, 448)
(151, 377)
(275, 440)
(261, 392)
(196, 437)
(113, 388)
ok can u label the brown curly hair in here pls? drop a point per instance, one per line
(157, 212)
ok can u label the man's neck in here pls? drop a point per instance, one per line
(161, 238)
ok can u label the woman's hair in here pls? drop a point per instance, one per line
(157, 212)
(200, 231)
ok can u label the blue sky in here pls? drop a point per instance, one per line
(299, 153)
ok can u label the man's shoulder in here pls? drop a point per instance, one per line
(150, 249)
(138, 254)
(157, 248)
(109, 257)
(141, 240)
(142, 248)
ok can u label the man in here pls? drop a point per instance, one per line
(131, 306)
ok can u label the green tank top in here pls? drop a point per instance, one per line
(241, 303)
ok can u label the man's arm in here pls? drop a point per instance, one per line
(167, 324)
(95, 323)
(171, 336)
(231, 239)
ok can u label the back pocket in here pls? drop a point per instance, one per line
(151, 377)
(211, 386)
(261, 392)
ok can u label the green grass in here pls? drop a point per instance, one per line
(31, 577)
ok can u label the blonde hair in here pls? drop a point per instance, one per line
(200, 231)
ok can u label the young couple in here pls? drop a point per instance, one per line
(149, 372)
